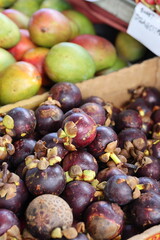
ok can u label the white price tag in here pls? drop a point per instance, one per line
(145, 27)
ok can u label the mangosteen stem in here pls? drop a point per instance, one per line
(4, 169)
(129, 165)
(115, 158)
(140, 186)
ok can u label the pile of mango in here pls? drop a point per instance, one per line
(47, 41)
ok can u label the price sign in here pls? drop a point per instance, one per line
(145, 27)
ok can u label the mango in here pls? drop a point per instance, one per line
(9, 34)
(28, 7)
(128, 48)
(102, 50)
(59, 5)
(19, 81)
(6, 3)
(36, 56)
(84, 24)
(22, 46)
(69, 62)
(48, 27)
(6, 59)
(118, 64)
(17, 17)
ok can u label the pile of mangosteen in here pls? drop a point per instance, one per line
(80, 169)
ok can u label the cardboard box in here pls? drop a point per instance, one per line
(113, 87)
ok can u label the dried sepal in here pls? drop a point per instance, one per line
(117, 150)
(13, 178)
(54, 160)
(1, 184)
(111, 164)
(9, 132)
(143, 162)
(99, 195)
(107, 122)
(70, 233)
(51, 101)
(101, 185)
(94, 183)
(6, 147)
(42, 164)
(56, 233)
(8, 191)
(108, 107)
(10, 148)
(139, 143)
(40, 149)
(136, 92)
(6, 139)
(122, 158)
(61, 133)
(110, 152)
(69, 132)
(111, 146)
(8, 122)
(136, 193)
(3, 153)
(68, 178)
(29, 159)
(52, 152)
(69, 146)
(3, 237)
(125, 153)
(104, 157)
(132, 181)
(32, 164)
(88, 175)
(80, 227)
(14, 233)
(128, 146)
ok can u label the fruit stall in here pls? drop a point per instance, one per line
(79, 121)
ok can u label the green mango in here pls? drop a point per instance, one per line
(9, 34)
(6, 3)
(84, 24)
(128, 48)
(6, 59)
(118, 64)
(20, 80)
(69, 62)
(17, 17)
(59, 5)
(28, 7)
